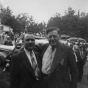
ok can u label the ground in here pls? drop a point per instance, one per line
(84, 83)
(5, 82)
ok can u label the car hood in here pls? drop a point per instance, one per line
(5, 47)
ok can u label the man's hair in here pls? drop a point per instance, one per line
(50, 29)
(29, 33)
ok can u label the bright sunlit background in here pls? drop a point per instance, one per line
(42, 10)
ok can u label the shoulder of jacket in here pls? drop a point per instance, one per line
(17, 55)
(45, 45)
(66, 47)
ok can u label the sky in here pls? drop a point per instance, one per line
(42, 10)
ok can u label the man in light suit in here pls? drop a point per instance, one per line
(59, 68)
(25, 66)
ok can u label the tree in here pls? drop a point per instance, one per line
(55, 21)
(36, 27)
(67, 23)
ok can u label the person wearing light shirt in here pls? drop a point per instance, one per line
(58, 62)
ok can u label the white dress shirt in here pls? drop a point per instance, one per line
(29, 57)
(47, 58)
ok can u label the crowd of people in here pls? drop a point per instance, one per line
(81, 52)
(53, 65)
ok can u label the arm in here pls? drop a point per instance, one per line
(14, 73)
(73, 68)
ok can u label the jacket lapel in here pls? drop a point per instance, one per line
(58, 57)
(44, 50)
(26, 63)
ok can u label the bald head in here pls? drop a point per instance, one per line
(29, 41)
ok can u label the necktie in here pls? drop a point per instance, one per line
(34, 65)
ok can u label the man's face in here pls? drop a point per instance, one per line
(53, 38)
(29, 41)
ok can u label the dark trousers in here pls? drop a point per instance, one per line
(80, 70)
(45, 81)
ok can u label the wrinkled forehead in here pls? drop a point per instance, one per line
(29, 36)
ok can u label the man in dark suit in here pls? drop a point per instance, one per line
(79, 60)
(8, 42)
(82, 61)
(25, 66)
(59, 68)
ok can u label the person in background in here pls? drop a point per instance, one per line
(82, 61)
(8, 41)
(25, 66)
(76, 50)
(59, 68)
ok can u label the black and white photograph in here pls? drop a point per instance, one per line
(43, 43)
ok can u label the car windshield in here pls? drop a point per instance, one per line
(73, 40)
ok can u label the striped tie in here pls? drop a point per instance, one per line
(34, 65)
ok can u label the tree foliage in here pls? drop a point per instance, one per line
(71, 23)
(19, 22)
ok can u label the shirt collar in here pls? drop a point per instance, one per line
(27, 50)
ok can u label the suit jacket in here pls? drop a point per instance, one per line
(22, 74)
(85, 56)
(63, 72)
(78, 55)
(83, 60)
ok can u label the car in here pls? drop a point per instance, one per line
(5, 50)
(73, 40)
(82, 40)
(64, 37)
